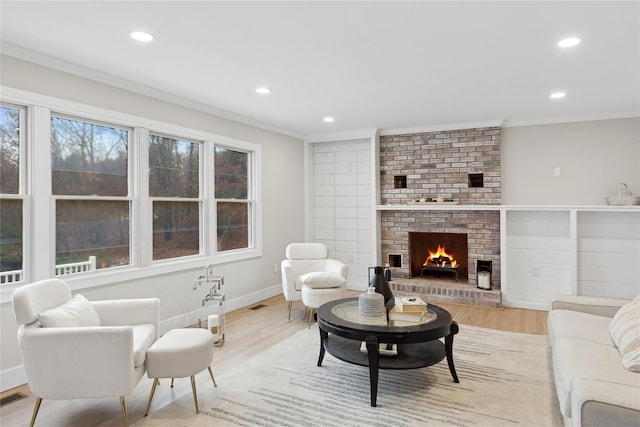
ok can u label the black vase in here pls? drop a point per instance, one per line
(379, 282)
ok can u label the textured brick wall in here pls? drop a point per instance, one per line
(482, 229)
(437, 164)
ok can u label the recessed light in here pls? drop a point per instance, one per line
(569, 42)
(557, 95)
(328, 119)
(141, 36)
(263, 90)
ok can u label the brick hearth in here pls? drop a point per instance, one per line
(433, 291)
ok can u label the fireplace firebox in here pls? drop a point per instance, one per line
(443, 256)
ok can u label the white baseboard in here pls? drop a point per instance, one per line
(529, 305)
(12, 377)
(16, 376)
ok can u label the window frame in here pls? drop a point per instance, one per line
(23, 188)
(131, 161)
(254, 192)
(200, 199)
(39, 261)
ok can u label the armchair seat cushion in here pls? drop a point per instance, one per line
(322, 280)
(143, 338)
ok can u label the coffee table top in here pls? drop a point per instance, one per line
(342, 317)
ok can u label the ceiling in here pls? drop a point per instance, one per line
(386, 65)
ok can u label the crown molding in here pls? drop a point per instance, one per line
(442, 127)
(571, 119)
(342, 136)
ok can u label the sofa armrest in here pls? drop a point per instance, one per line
(599, 403)
(125, 312)
(94, 361)
(598, 306)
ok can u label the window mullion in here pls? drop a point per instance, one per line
(43, 210)
(144, 221)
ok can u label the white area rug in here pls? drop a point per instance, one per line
(505, 380)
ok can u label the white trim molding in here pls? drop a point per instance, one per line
(442, 127)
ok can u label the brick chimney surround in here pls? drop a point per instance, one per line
(456, 166)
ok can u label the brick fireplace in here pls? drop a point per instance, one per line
(439, 168)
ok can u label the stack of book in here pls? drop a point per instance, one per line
(409, 309)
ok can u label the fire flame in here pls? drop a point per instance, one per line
(438, 258)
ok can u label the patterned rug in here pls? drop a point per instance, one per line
(505, 380)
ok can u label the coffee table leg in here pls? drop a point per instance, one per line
(372, 352)
(448, 345)
(323, 336)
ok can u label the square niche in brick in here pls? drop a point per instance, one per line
(400, 181)
(476, 180)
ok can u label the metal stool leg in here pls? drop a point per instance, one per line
(212, 379)
(153, 390)
(195, 394)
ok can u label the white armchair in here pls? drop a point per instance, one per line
(304, 258)
(74, 348)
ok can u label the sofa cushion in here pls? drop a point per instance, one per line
(625, 333)
(143, 337)
(576, 324)
(576, 358)
(322, 279)
(75, 312)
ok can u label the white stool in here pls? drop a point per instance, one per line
(180, 353)
(315, 297)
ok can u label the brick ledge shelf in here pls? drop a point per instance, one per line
(434, 291)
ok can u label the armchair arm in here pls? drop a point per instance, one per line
(78, 362)
(129, 312)
(337, 266)
(593, 305)
(288, 281)
(599, 403)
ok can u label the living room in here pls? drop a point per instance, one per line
(558, 159)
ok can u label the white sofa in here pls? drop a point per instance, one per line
(593, 386)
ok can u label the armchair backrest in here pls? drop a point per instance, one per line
(32, 299)
(306, 251)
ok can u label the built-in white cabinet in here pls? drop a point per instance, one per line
(591, 251)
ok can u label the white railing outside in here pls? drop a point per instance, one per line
(61, 270)
(76, 267)
(10, 276)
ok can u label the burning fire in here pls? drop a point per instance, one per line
(441, 258)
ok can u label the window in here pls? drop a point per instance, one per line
(174, 188)
(90, 186)
(12, 125)
(233, 205)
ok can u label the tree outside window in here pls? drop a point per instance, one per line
(174, 187)
(233, 206)
(91, 187)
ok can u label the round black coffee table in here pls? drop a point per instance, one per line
(342, 332)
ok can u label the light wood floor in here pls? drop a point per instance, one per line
(248, 332)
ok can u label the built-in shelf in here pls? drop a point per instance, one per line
(449, 207)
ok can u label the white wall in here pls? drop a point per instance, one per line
(246, 282)
(593, 157)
